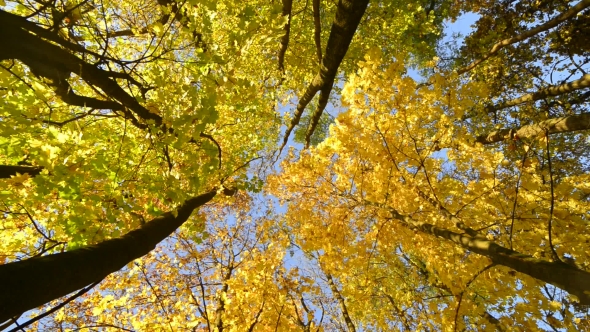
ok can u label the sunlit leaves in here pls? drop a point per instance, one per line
(404, 146)
(209, 78)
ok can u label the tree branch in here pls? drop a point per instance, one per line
(8, 171)
(346, 21)
(209, 137)
(569, 278)
(554, 90)
(52, 62)
(317, 33)
(494, 321)
(287, 8)
(550, 126)
(529, 33)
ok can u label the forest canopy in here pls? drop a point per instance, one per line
(288, 165)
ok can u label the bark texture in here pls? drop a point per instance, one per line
(569, 278)
(548, 127)
(30, 283)
(551, 91)
(348, 16)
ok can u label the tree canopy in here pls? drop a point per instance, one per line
(281, 166)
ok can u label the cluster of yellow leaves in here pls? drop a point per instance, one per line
(404, 146)
(401, 145)
(103, 176)
(234, 277)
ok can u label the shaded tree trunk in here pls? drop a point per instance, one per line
(7, 171)
(346, 21)
(287, 8)
(317, 33)
(30, 283)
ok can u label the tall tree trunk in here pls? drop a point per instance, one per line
(30, 283)
(346, 21)
(341, 302)
(553, 90)
(287, 8)
(569, 278)
(564, 124)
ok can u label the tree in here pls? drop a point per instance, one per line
(66, 272)
(455, 199)
(229, 278)
(405, 166)
(111, 131)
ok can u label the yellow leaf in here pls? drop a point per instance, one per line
(555, 305)
(158, 28)
(97, 311)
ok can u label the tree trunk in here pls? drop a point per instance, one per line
(287, 7)
(338, 296)
(7, 171)
(550, 91)
(346, 21)
(30, 283)
(550, 126)
(569, 278)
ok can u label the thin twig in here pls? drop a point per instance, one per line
(37, 227)
(237, 169)
(467, 286)
(59, 306)
(549, 222)
(159, 300)
(516, 198)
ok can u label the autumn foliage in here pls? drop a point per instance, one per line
(285, 166)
